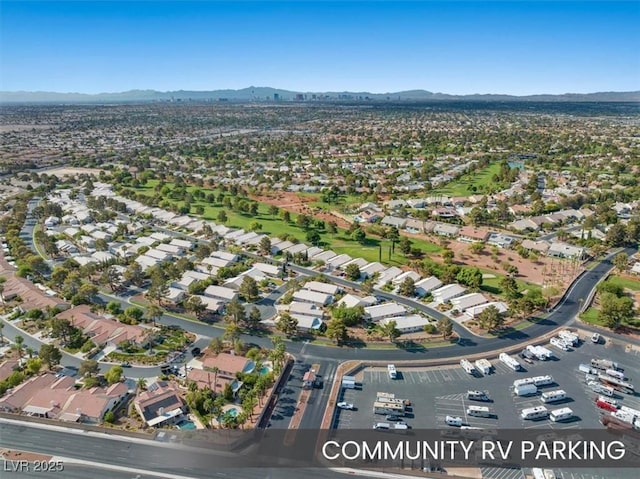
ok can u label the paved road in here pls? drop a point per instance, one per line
(147, 455)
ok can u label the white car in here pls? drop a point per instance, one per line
(345, 405)
(595, 338)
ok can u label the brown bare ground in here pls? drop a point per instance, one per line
(13, 455)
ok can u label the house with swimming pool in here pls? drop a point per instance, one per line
(218, 371)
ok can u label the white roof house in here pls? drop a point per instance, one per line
(159, 236)
(307, 323)
(231, 257)
(339, 260)
(319, 287)
(221, 293)
(371, 269)
(314, 250)
(171, 249)
(297, 248)
(308, 309)
(474, 311)
(388, 274)
(408, 324)
(448, 292)
(351, 301)
(426, 285)
(103, 256)
(180, 243)
(361, 262)
(146, 262)
(386, 310)
(217, 262)
(145, 240)
(174, 294)
(211, 304)
(195, 275)
(159, 255)
(324, 256)
(307, 296)
(468, 301)
(407, 274)
(563, 250)
(268, 269)
(279, 247)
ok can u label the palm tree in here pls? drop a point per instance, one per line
(1, 334)
(19, 340)
(142, 384)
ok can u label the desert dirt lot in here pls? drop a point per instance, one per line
(69, 171)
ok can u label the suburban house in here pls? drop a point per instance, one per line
(31, 296)
(447, 293)
(267, 269)
(469, 234)
(407, 324)
(104, 331)
(563, 250)
(57, 398)
(371, 269)
(467, 301)
(222, 369)
(500, 240)
(220, 293)
(537, 246)
(385, 310)
(474, 311)
(407, 274)
(351, 301)
(426, 285)
(306, 296)
(160, 405)
(443, 229)
(319, 287)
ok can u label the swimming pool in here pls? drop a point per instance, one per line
(188, 425)
(233, 412)
(264, 370)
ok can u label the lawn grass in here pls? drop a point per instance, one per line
(492, 285)
(464, 186)
(591, 316)
(274, 226)
(627, 283)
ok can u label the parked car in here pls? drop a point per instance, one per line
(392, 418)
(595, 338)
(196, 351)
(126, 364)
(345, 405)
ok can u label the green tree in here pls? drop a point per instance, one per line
(222, 217)
(614, 310)
(313, 237)
(50, 355)
(490, 318)
(109, 417)
(287, 324)
(616, 235)
(19, 345)
(509, 287)
(195, 305)
(445, 327)
(390, 330)
(231, 332)
(359, 235)
(286, 216)
(303, 221)
(254, 318)
(88, 368)
(336, 330)
(235, 313)
(471, 277)
(352, 272)
(134, 314)
(154, 313)
(265, 245)
(216, 345)
(114, 374)
(407, 287)
(249, 289)
(134, 274)
(273, 210)
(405, 245)
(332, 227)
(621, 262)
(447, 256)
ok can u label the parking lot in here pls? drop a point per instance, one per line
(439, 392)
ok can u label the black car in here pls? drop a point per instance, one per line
(196, 351)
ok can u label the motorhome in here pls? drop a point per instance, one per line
(453, 421)
(615, 374)
(543, 380)
(510, 361)
(525, 390)
(541, 353)
(553, 396)
(533, 413)
(559, 343)
(617, 384)
(478, 395)
(478, 411)
(570, 337)
(605, 364)
(607, 406)
(484, 366)
(563, 414)
(468, 367)
(388, 409)
(601, 388)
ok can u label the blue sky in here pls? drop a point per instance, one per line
(454, 47)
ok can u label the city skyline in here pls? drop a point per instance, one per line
(457, 48)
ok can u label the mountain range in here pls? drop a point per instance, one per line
(271, 94)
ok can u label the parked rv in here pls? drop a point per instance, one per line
(484, 366)
(560, 344)
(478, 396)
(453, 421)
(525, 390)
(510, 361)
(479, 411)
(605, 364)
(533, 413)
(553, 396)
(558, 415)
